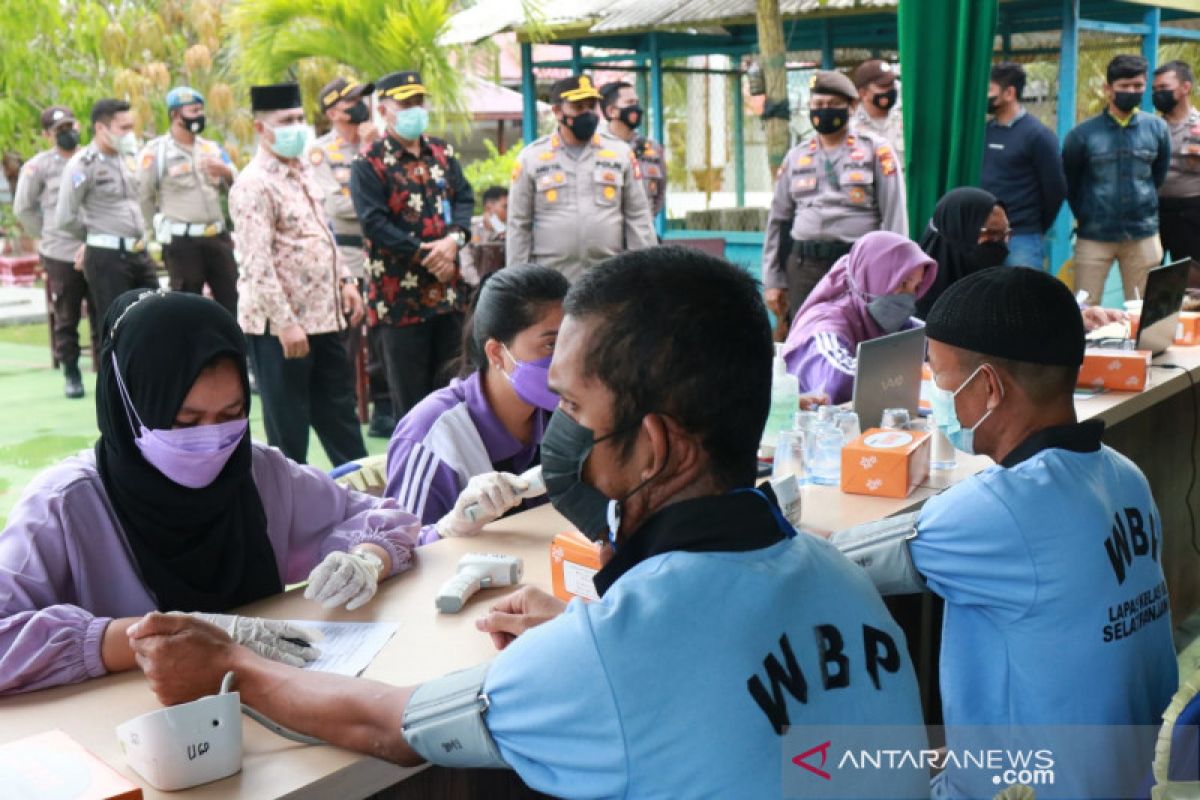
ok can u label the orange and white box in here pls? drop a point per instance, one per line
(1118, 370)
(574, 562)
(1187, 333)
(52, 764)
(886, 463)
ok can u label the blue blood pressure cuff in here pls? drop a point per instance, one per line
(881, 549)
(445, 721)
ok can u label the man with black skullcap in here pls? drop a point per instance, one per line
(295, 295)
(1056, 605)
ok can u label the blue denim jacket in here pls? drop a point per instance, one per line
(1113, 174)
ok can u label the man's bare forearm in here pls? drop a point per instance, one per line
(360, 715)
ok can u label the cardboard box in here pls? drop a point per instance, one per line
(574, 561)
(1187, 333)
(52, 764)
(886, 463)
(1118, 370)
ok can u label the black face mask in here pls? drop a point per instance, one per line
(631, 116)
(1127, 101)
(194, 125)
(885, 100)
(582, 126)
(993, 105)
(1164, 100)
(67, 139)
(358, 113)
(990, 254)
(829, 120)
(565, 448)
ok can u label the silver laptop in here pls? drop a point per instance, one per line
(889, 375)
(1161, 305)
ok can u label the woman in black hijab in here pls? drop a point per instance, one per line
(969, 232)
(177, 510)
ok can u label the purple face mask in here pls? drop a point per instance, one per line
(191, 457)
(530, 381)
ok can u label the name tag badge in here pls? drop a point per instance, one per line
(805, 184)
(180, 169)
(341, 174)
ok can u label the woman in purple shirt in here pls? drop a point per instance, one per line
(464, 446)
(176, 510)
(870, 292)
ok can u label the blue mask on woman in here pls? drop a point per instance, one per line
(945, 415)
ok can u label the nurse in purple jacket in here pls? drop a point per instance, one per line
(870, 292)
(176, 510)
(467, 444)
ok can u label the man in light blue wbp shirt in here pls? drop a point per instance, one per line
(1049, 561)
(717, 627)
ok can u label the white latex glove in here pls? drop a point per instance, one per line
(270, 638)
(493, 492)
(343, 577)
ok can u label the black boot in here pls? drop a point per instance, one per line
(74, 381)
(382, 424)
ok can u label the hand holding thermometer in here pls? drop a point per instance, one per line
(478, 571)
(534, 487)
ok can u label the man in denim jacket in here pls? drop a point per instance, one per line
(1114, 164)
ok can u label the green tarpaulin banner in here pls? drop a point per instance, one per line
(945, 58)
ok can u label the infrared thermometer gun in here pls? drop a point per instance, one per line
(478, 571)
(535, 487)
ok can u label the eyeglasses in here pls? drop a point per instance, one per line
(993, 235)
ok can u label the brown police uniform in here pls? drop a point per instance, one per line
(98, 205)
(181, 203)
(825, 199)
(569, 208)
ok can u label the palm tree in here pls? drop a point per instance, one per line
(307, 42)
(773, 62)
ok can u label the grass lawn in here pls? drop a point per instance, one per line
(40, 426)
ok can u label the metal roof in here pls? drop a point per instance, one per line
(701, 12)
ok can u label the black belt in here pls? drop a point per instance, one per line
(348, 240)
(827, 251)
(1179, 203)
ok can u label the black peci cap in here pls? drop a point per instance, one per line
(275, 97)
(1017, 313)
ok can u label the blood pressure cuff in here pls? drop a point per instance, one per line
(881, 549)
(445, 721)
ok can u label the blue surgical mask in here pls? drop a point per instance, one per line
(290, 140)
(411, 123)
(945, 415)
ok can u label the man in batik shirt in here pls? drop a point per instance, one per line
(415, 208)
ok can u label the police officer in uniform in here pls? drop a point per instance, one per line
(576, 197)
(180, 179)
(624, 113)
(98, 206)
(1179, 196)
(716, 625)
(345, 106)
(34, 205)
(877, 110)
(832, 188)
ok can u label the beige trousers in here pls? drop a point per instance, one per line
(1093, 260)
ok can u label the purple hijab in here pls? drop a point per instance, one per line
(877, 264)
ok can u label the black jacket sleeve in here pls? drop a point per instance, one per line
(370, 202)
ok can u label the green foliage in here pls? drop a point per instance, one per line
(370, 37)
(495, 170)
(79, 51)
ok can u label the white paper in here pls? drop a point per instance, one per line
(347, 648)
